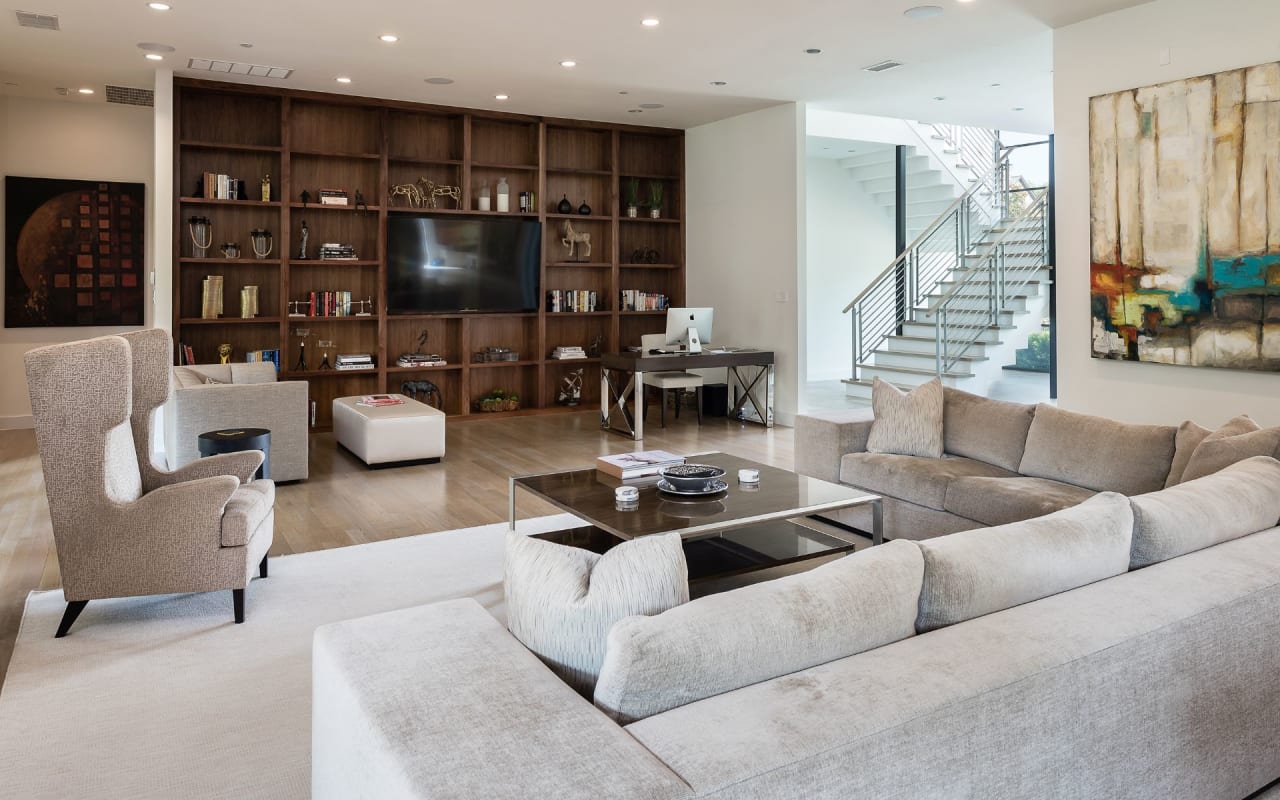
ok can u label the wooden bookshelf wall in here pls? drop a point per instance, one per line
(308, 141)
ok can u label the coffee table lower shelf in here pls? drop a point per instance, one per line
(732, 552)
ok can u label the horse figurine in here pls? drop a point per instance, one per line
(572, 239)
(411, 193)
(430, 190)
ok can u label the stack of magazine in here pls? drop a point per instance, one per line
(375, 400)
(638, 464)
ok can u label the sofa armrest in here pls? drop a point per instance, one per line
(280, 407)
(822, 439)
(440, 701)
(241, 466)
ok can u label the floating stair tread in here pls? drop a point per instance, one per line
(909, 338)
(896, 353)
(915, 371)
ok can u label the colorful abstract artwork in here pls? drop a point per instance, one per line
(74, 253)
(1185, 209)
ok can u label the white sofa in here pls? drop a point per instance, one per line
(209, 397)
(1152, 683)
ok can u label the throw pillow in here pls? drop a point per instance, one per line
(1241, 499)
(906, 423)
(1239, 439)
(562, 601)
(214, 382)
(1189, 437)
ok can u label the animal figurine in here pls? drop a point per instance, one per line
(572, 239)
(430, 190)
(410, 192)
(425, 391)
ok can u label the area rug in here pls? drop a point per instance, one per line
(164, 697)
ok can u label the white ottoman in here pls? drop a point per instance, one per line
(410, 431)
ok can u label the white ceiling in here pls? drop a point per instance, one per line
(514, 48)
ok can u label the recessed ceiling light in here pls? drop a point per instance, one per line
(813, 51)
(994, 85)
(940, 97)
(1019, 108)
(635, 110)
(624, 91)
(922, 12)
(86, 91)
(389, 38)
(650, 22)
(155, 47)
(500, 97)
(651, 105)
(568, 62)
(246, 45)
(343, 79)
(154, 57)
(440, 81)
(159, 6)
(718, 83)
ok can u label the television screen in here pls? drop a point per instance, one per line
(454, 264)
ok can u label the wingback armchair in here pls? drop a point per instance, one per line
(120, 536)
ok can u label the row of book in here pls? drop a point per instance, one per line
(572, 300)
(636, 300)
(565, 353)
(327, 304)
(333, 197)
(351, 361)
(223, 187)
(377, 400)
(637, 464)
(263, 356)
(336, 251)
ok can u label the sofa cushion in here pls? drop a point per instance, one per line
(1239, 439)
(1240, 499)
(723, 642)
(562, 601)
(246, 511)
(253, 372)
(1097, 453)
(906, 423)
(999, 501)
(922, 481)
(994, 431)
(1185, 442)
(982, 571)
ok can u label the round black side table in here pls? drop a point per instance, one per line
(236, 440)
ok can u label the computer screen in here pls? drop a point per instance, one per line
(680, 320)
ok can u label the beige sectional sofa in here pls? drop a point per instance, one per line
(208, 397)
(1004, 462)
(1026, 660)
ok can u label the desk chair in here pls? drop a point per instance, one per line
(675, 380)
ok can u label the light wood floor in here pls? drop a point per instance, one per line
(346, 503)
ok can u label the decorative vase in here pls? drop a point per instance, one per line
(632, 212)
(655, 213)
(584, 209)
(484, 201)
(565, 206)
(504, 196)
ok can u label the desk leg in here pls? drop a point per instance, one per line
(605, 397)
(637, 402)
(765, 410)
(877, 521)
(511, 503)
(768, 398)
(613, 396)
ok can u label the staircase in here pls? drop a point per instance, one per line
(930, 190)
(973, 281)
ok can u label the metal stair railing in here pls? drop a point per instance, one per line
(891, 300)
(999, 272)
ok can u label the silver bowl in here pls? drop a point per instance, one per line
(691, 477)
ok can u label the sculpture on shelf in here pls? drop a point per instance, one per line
(430, 190)
(424, 391)
(571, 389)
(578, 244)
(305, 197)
(593, 349)
(224, 354)
(302, 333)
(360, 204)
(409, 191)
(302, 244)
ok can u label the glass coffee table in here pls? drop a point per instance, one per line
(740, 530)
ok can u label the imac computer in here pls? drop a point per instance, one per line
(688, 329)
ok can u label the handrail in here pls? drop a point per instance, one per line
(942, 218)
(991, 249)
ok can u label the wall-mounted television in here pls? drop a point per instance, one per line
(438, 264)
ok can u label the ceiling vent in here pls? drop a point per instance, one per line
(45, 22)
(237, 68)
(883, 66)
(128, 96)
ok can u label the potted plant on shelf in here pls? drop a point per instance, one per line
(633, 198)
(655, 199)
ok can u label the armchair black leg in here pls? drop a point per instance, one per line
(69, 617)
(262, 568)
(697, 398)
(237, 602)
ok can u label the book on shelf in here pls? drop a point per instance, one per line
(264, 356)
(376, 400)
(333, 197)
(637, 464)
(572, 300)
(211, 297)
(420, 360)
(217, 186)
(636, 300)
(332, 251)
(568, 353)
(329, 304)
(186, 354)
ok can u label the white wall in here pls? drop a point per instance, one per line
(744, 240)
(67, 139)
(849, 241)
(1107, 54)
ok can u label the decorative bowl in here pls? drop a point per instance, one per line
(691, 477)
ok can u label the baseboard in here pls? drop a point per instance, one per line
(20, 423)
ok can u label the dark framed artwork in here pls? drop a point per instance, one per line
(74, 253)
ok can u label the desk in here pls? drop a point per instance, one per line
(616, 391)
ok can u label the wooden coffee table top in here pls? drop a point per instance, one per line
(588, 493)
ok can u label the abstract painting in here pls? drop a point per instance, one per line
(1185, 211)
(74, 253)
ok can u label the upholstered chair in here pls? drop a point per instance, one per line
(674, 380)
(115, 537)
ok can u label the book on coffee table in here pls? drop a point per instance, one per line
(638, 464)
(375, 400)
